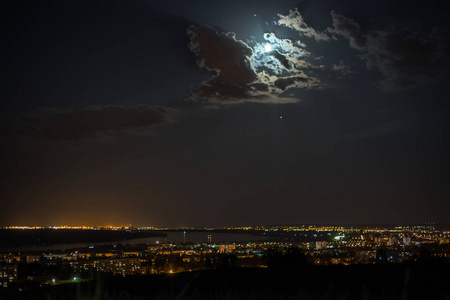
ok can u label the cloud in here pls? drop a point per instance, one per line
(281, 58)
(293, 81)
(295, 21)
(290, 56)
(406, 60)
(341, 67)
(58, 124)
(228, 57)
(349, 29)
(244, 73)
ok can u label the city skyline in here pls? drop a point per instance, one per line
(231, 227)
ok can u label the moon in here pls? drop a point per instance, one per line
(268, 48)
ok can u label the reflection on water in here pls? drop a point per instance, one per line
(172, 237)
(198, 237)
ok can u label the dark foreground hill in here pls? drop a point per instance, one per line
(366, 282)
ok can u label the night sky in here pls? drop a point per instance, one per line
(217, 113)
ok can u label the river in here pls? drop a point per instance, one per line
(172, 237)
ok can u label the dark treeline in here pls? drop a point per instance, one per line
(290, 274)
(390, 281)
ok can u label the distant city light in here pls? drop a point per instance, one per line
(313, 240)
(339, 237)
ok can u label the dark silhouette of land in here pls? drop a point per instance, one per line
(45, 237)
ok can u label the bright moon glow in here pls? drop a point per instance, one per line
(267, 48)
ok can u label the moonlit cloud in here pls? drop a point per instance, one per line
(261, 70)
(247, 72)
(286, 55)
(295, 21)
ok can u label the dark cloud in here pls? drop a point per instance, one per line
(285, 82)
(281, 58)
(349, 29)
(406, 60)
(228, 57)
(262, 87)
(57, 124)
